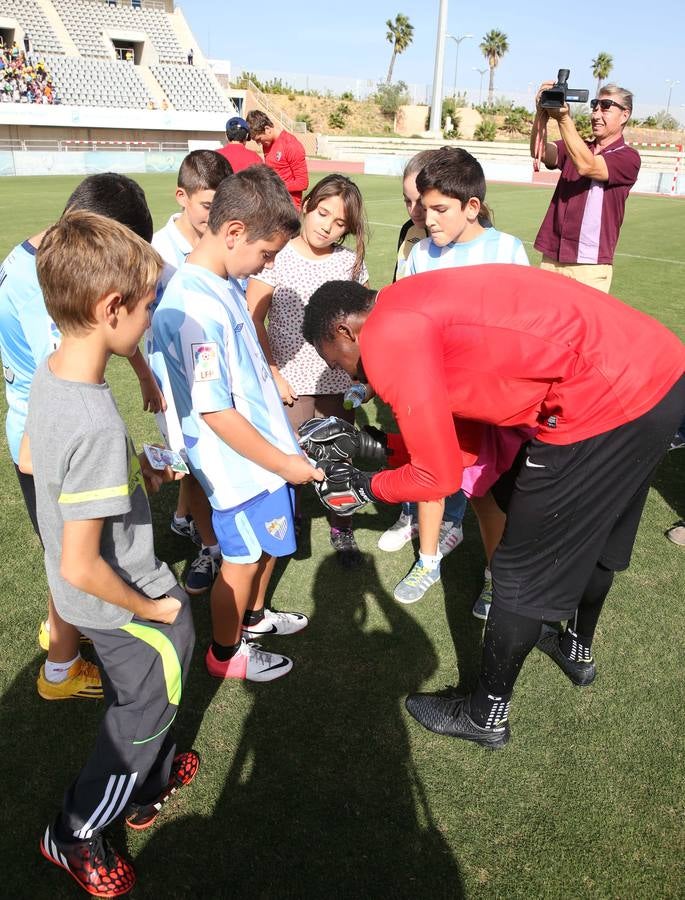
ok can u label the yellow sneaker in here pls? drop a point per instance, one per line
(44, 637)
(82, 683)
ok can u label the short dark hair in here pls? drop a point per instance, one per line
(258, 122)
(455, 173)
(257, 197)
(117, 197)
(237, 133)
(203, 170)
(333, 301)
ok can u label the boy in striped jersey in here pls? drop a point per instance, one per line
(237, 437)
(98, 280)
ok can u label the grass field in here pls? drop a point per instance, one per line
(320, 785)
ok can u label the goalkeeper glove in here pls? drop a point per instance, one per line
(344, 489)
(335, 439)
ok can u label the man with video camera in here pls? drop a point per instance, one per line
(579, 234)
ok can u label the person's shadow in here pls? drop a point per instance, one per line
(321, 797)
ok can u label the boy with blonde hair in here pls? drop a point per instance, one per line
(98, 280)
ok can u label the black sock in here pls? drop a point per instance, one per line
(509, 638)
(488, 710)
(576, 646)
(223, 653)
(253, 617)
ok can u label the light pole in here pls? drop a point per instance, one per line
(480, 89)
(457, 41)
(671, 84)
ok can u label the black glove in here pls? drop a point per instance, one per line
(336, 439)
(344, 489)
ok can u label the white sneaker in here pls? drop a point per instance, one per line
(276, 623)
(451, 536)
(399, 534)
(250, 663)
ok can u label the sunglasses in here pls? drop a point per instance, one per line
(605, 104)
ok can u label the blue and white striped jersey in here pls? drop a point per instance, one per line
(204, 334)
(491, 246)
(27, 336)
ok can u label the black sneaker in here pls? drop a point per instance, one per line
(580, 673)
(348, 554)
(94, 864)
(448, 714)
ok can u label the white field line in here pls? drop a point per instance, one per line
(674, 262)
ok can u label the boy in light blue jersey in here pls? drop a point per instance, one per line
(199, 175)
(452, 189)
(27, 336)
(237, 437)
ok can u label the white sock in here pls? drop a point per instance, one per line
(487, 574)
(181, 520)
(430, 562)
(56, 672)
(46, 626)
(214, 550)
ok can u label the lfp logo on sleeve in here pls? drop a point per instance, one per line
(205, 361)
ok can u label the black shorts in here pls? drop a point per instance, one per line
(28, 490)
(577, 505)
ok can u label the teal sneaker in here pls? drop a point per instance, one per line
(481, 608)
(416, 582)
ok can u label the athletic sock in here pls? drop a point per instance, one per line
(182, 520)
(253, 617)
(430, 562)
(225, 652)
(576, 646)
(56, 673)
(487, 574)
(487, 709)
(214, 550)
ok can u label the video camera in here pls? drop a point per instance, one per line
(561, 93)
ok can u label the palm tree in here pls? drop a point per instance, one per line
(493, 46)
(601, 68)
(400, 34)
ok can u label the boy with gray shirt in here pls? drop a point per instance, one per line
(98, 280)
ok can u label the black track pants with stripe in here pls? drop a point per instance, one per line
(144, 666)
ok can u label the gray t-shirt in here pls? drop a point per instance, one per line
(85, 467)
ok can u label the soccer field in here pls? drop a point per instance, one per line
(320, 785)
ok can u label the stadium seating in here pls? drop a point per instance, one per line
(34, 22)
(97, 82)
(86, 20)
(190, 88)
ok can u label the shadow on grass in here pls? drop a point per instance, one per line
(321, 798)
(670, 481)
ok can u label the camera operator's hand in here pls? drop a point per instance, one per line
(558, 113)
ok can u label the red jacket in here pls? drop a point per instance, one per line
(506, 345)
(239, 156)
(286, 157)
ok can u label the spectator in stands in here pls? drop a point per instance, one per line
(190, 57)
(27, 43)
(21, 82)
(235, 151)
(282, 152)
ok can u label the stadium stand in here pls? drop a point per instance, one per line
(87, 21)
(33, 20)
(97, 82)
(190, 88)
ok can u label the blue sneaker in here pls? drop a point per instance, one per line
(202, 572)
(481, 608)
(416, 582)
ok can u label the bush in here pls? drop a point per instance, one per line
(337, 117)
(389, 98)
(515, 123)
(347, 95)
(583, 126)
(307, 119)
(486, 131)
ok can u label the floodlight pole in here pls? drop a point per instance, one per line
(436, 101)
(480, 89)
(457, 41)
(671, 84)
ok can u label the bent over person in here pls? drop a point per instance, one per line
(512, 346)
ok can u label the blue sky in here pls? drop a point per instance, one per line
(347, 39)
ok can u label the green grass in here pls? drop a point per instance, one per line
(320, 785)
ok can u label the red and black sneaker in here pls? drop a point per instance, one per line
(94, 864)
(183, 770)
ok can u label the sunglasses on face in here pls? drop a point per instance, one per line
(605, 104)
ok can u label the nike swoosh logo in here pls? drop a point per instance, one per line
(283, 662)
(532, 465)
(272, 630)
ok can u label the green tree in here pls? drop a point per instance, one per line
(400, 34)
(493, 47)
(601, 68)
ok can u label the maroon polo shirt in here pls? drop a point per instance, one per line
(585, 216)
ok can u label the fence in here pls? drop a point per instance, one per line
(46, 145)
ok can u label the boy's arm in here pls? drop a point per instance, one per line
(153, 399)
(83, 566)
(25, 462)
(241, 436)
(299, 176)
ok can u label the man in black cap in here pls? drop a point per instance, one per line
(235, 151)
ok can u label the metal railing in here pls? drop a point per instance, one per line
(59, 146)
(274, 112)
